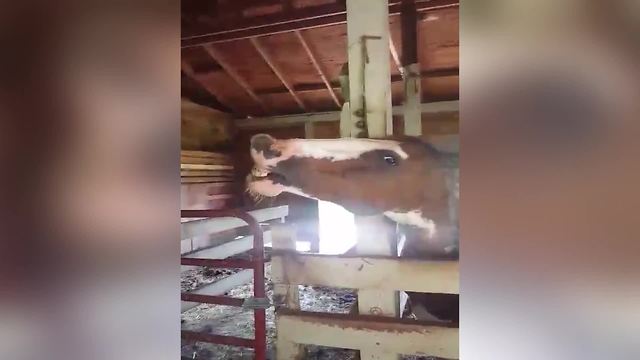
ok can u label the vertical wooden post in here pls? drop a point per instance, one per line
(283, 240)
(369, 66)
(411, 69)
(368, 113)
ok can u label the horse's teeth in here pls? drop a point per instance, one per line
(259, 173)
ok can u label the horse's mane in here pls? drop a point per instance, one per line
(447, 159)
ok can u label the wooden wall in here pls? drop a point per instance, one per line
(205, 129)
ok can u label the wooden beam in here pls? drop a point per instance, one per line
(190, 228)
(360, 272)
(317, 16)
(395, 56)
(330, 116)
(370, 116)
(228, 68)
(267, 59)
(285, 296)
(336, 85)
(225, 250)
(314, 59)
(409, 31)
(187, 69)
(379, 336)
(205, 167)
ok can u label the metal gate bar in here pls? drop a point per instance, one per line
(259, 342)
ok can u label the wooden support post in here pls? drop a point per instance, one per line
(287, 296)
(369, 67)
(411, 69)
(369, 115)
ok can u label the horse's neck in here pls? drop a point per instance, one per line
(441, 207)
(422, 244)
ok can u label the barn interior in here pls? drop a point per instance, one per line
(280, 67)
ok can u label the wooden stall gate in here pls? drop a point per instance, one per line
(375, 334)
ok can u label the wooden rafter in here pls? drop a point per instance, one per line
(228, 68)
(336, 85)
(314, 59)
(409, 31)
(314, 17)
(188, 70)
(267, 59)
(395, 56)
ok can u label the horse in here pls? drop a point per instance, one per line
(410, 180)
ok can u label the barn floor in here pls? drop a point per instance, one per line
(225, 320)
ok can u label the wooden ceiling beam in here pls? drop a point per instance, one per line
(267, 59)
(336, 85)
(317, 16)
(187, 69)
(215, 54)
(314, 59)
(395, 56)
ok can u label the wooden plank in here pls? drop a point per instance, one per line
(380, 336)
(206, 179)
(314, 17)
(267, 59)
(204, 160)
(368, 42)
(205, 167)
(284, 295)
(412, 97)
(334, 116)
(221, 173)
(219, 287)
(204, 154)
(395, 56)
(314, 60)
(314, 87)
(362, 272)
(190, 228)
(225, 250)
(219, 58)
(369, 66)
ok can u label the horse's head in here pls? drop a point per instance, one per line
(395, 176)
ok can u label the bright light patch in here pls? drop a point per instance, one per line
(337, 228)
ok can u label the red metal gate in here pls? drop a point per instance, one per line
(259, 301)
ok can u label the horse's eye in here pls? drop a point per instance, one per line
(390, 160)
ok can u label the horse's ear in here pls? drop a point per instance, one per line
(444, 143)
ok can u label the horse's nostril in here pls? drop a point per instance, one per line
(262, 143)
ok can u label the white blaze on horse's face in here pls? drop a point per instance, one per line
(344, 149)
(267, 152)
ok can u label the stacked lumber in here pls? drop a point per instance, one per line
(205, 167)
(207, 180)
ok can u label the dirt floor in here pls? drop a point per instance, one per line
(225, 320)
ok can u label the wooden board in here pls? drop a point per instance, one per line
(204, 160)
(381, 273)
(204, 154)
(221, 173)
(205, 179)
(194, 227)
(376, 335)
(205, 167)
